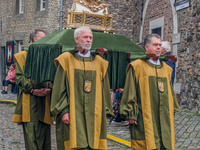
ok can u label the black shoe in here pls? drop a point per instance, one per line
(4, 92)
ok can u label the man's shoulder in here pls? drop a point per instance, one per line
(138, 62)
(64, 59)
(65, 55)
(167, 66)
(20, 57)
(100, 61)
(170, 63)
(20, 54)
(99, 58)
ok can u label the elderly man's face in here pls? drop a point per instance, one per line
(163, 51)
(85, 39)
(154, 47)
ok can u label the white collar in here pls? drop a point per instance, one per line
(86, 55)
(151, 61)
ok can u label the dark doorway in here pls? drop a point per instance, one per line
(157, 31)
(2, 63)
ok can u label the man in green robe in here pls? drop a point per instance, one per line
(149, 102)
(33, 104)
(81, 97)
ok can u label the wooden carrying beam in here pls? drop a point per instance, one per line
(154, 56)
(102, 51)
(171, 57)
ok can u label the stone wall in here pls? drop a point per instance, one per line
(126, 18)
(19, 26)
(157, 9)
(188, 72)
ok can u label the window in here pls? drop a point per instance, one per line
(21, 6)
(157, 31)
(42, 5)
(157, 26)
(19, 45)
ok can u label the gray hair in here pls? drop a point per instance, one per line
(166, 46)
(147, 39)
(77, 31)
(35, 34)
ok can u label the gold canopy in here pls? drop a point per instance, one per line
(91, 13)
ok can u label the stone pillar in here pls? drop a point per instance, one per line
(1, 63)
(176, 38)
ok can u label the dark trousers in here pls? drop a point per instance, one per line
(15, 87)
(6, 82)
(37, 135)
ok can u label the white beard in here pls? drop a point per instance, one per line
(88, 46)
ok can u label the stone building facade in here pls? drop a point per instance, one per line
(188, 72)
(159, 16)
(16, 26)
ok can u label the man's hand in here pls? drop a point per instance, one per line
(38, 92)
(132, 122)
(121, 90)
(41, 92)
(65, 118)
(46, 91)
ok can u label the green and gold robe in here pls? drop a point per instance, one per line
(88, 111)
(29, 108)
(149, 99)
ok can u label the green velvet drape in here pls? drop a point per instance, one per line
(41, 67)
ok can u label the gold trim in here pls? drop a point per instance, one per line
(102, 144)
(47, 117)
(17, 118)
(73, 139)
(26, 108)
(21, 58)
(171, 108)
(136, 144)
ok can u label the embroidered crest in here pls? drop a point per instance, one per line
(87, 86)
(161, 86)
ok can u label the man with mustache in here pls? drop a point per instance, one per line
(81, 97)
(149, 102)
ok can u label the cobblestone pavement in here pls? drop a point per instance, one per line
(8, 96)
(187, 129)
(11, 134)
